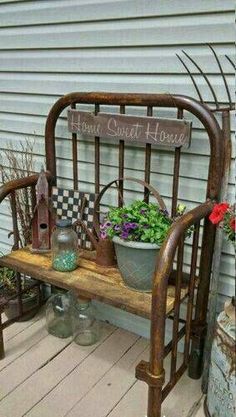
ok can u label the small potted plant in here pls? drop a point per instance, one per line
(8, 292)
(137, 230)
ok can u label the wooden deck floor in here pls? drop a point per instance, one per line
(43, 376)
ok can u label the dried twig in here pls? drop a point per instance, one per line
(18, 165)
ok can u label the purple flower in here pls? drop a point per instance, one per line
(130, 225)
(103, 235)
(133, 225)
(107, 224)
(117, 227)
(126, 226)
(124, 235)
(143, 211)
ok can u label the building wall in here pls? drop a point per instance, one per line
(52, 47)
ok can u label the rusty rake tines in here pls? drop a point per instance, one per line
(222, 74)
(231, 62)
(231, 105)
(192, 78)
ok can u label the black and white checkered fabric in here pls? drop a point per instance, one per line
(68, 203)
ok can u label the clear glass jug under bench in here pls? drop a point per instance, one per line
(59, 315)
(86, 327)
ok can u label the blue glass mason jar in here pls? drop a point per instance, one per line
(64, 243)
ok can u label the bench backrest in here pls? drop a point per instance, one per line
(148, 104)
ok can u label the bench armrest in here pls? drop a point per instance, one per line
(168, 249)
(13, 185)
(160, 283)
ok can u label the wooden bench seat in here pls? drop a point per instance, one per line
(89, 280)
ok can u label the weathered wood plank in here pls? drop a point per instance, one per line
(152, 130)
(179, 402)
(56, 400)
(89, 280)
(47, 378)
(20, 326)
(115, 383)
(24, 366)
(23, 341)
(79, 382)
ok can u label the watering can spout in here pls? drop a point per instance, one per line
(105, 253)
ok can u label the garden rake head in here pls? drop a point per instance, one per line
(217, 107)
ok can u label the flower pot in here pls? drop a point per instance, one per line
(28, 303)
(136, 262)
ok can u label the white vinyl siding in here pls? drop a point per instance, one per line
(50, 48)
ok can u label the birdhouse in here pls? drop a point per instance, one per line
(43, 218)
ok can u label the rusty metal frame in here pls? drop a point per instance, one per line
(152, 372)
(224, 112)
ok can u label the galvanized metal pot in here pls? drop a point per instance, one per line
(136, 262)
(221, 395)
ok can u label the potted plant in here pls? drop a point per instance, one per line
(223, 215)
(221, 358)
(137, 230)
(8, 292)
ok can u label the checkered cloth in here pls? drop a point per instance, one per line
(68, 204)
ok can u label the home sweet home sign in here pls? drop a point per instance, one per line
(156, 131)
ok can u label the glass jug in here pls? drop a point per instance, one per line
(86, 328)
(64, 244)
(59, 315)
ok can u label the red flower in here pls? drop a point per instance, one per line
(232, 224)
(218, 212)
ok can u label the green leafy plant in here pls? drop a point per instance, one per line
(8, 283)
(6, 280)
(140, 221)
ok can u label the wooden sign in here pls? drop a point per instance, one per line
(167, 132)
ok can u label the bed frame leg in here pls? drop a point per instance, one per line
(155, 383)
(154, 402)
(196, 359)
(199, 325)
(2, 352)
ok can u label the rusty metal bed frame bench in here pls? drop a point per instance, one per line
(170, 286)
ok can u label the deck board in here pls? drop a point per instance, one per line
(19, 326)
(28, 363)
(100, 400)
(89, 280)
(43, 385)
(56, 378)
(80, 382)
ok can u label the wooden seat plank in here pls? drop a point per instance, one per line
(89, 280)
